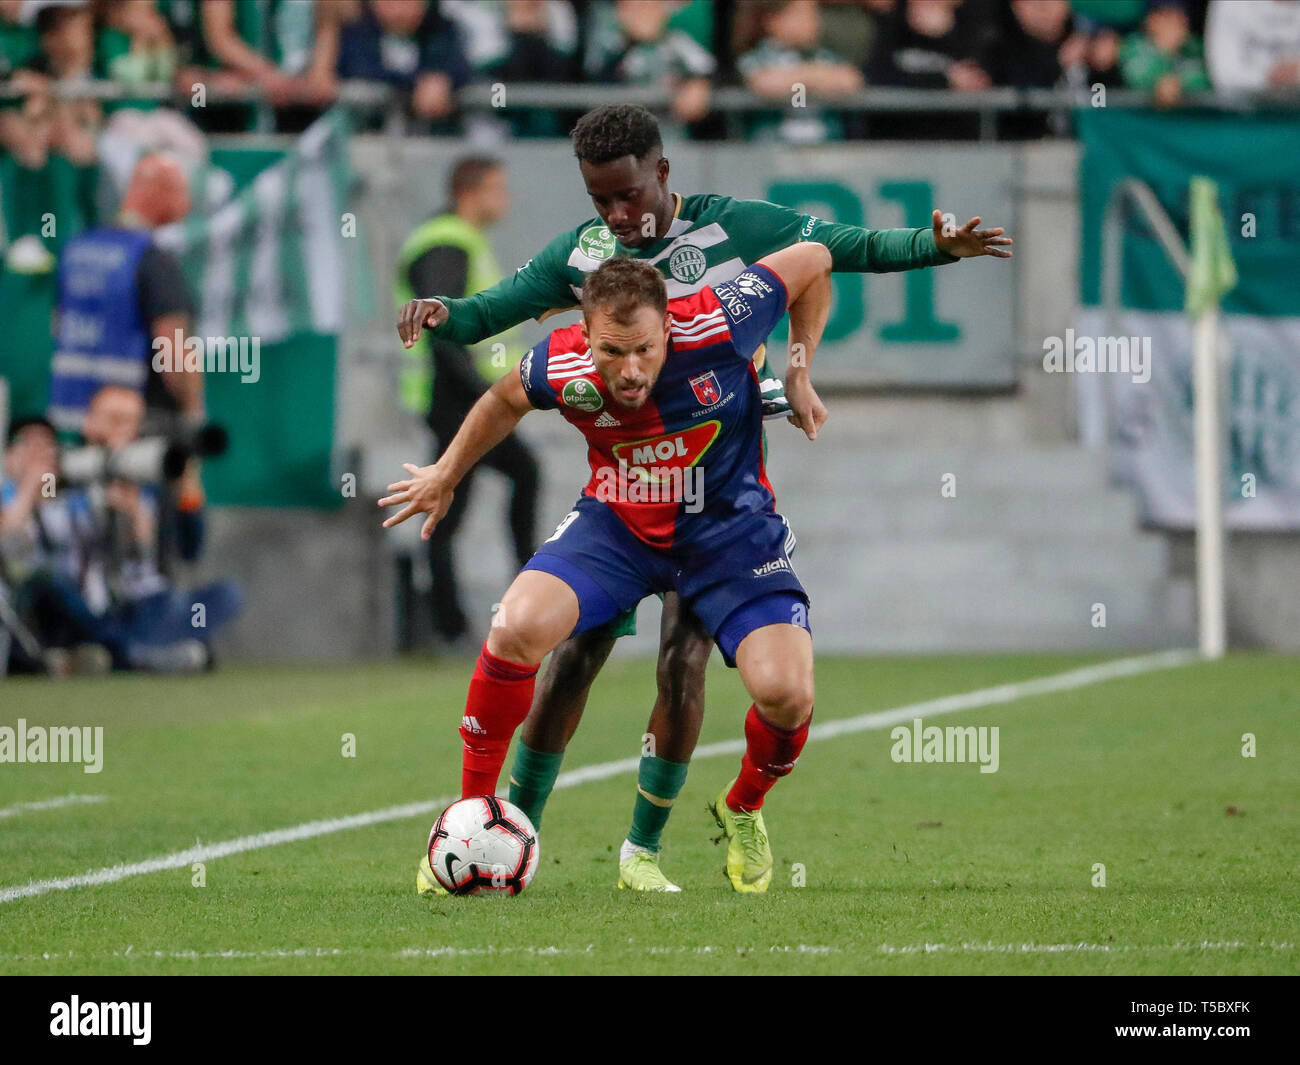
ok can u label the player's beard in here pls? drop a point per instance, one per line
(644, 387)
(636, 402)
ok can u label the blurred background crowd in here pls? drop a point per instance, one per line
(123, 118)
(296, 57)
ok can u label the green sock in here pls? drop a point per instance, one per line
(657, 783)
(531, 779)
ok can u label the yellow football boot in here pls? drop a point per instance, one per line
(749, 855)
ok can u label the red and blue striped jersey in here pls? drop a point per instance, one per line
(685, 471)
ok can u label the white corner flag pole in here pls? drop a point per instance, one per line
(1211, 614)
(1212, 274)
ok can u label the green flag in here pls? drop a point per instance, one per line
(1213, 272)
(272, 261)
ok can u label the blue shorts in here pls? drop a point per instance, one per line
(734, 590)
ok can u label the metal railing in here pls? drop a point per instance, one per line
(988, 105)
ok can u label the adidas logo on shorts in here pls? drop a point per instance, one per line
(606, 421)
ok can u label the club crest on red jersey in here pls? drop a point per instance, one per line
(706, 388)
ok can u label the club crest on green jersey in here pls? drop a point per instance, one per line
(596, 242)
(581, 394)
(687, 264)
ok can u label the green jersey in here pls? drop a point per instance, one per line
(711, 239)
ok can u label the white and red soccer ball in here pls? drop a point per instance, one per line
(483, 844)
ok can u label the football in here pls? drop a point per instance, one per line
(483, 844)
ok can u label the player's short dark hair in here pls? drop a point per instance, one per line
(18, 425)
(622, 287)
(469, 172)
(613, 131)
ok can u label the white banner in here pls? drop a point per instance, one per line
(1148, 423)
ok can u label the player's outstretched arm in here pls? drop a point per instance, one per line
(969, 241)
(417, 315)
(805, 268)
(799, 266)
(430, 488)
(536, 289)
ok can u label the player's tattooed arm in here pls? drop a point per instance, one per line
(805, 269)
(968, 241)
(430, 488)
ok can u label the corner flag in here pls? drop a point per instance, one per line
(1213, 273)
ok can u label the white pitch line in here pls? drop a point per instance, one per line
(591, 949)
(50, 804)
(949, 704)
(1080, 948)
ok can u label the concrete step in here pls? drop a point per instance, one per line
(1047, 470)
(1110, 556)
(1032, 615)
(905, 512)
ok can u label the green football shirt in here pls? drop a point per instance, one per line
(711, 239)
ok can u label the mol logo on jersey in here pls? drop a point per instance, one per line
(655, 459)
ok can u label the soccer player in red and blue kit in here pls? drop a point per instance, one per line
(694, 241)
(660, 390)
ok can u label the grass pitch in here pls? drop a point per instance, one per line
(905, 868)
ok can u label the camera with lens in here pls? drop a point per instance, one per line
(149, 460)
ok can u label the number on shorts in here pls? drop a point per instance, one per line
(569, 519)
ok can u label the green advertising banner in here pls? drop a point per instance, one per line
(944, 327)
(268, 267)
(1144, 411)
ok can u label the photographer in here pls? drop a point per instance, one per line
(98, 580)
(41, 561)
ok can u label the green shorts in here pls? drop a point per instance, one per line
(623, 625)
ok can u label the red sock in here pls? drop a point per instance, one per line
(770, 753)
(500, 694)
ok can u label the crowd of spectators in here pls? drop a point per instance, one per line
(293, 55)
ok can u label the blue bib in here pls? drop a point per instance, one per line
(102, 338)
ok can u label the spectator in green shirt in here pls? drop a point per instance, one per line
(631, 42)
(784, 60)
(510, 41)
(278, 47)
(66, 54)
(134, 45)
(1164, 58)
(18, 40)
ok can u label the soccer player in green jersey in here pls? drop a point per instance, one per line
(694, 241)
